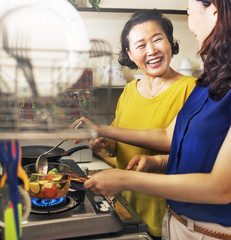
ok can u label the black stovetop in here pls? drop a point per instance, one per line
(92, 218)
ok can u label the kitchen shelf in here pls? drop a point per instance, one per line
(108, 87)
(130, 10)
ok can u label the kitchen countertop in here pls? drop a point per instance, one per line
(96, 164)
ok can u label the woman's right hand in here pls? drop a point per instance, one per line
(87, 122)
(98, 144)
(146, 163)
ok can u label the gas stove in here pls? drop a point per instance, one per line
(81, 215)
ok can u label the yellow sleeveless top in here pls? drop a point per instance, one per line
(136, 112)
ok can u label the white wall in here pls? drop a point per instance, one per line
(108, 26)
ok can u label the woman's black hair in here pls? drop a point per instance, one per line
(216, 52)
(141, 17)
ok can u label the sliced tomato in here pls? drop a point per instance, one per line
(49, 177)
(40, 195)
(50, 193)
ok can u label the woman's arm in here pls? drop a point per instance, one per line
(155, 139)
(211, 188)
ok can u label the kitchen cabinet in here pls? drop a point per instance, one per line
(166, 6)
(102, 99)
(129, 10)
(105, 103)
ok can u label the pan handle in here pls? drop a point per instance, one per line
(75, 149)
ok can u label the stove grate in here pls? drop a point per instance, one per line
(68, 203)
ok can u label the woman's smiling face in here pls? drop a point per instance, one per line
(149, 48)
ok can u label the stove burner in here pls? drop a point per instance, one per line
(69, 202)
(47, 202)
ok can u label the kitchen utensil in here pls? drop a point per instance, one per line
(10, 156)
(9, 222)
(41, 164)
(52, 185)
(32, 152)
(24, 200)
(20, 173)
(74, 177)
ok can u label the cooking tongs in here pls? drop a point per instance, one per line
(74, 177)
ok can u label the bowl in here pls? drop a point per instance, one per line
(50, 185)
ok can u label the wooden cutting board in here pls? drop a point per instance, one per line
(104, 155)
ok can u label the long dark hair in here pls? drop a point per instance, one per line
(216, 52)
(141, 17)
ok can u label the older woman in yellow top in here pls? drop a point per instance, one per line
(151, 102)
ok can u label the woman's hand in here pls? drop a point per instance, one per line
(87, 122)
(107, 182)
(98, 144)
(146, 163)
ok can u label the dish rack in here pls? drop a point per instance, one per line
(28, 115)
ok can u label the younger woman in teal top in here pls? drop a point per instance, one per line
(201, 128)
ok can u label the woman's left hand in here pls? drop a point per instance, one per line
(145, 163)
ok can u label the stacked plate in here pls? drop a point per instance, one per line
(45, 39)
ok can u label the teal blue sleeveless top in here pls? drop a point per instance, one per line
(201, 127)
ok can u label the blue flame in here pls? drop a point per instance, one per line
(47, 202)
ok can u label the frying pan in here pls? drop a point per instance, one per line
(31, 153)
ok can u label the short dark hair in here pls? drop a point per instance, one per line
(141, 17)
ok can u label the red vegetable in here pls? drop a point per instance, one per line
(40, 195)
(49, 177)
(50, 193)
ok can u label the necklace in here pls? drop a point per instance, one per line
(157, 91)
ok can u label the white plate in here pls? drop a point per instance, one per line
(56, 35)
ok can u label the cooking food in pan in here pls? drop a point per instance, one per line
(48, 186)
(54, 184)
